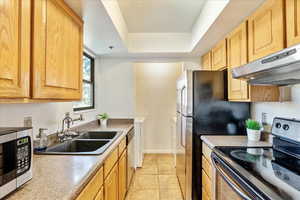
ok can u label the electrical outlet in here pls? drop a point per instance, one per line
(27, 121)
(264, 118)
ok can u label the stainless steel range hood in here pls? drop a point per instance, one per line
(281, 68)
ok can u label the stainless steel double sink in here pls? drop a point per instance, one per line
(89, 143)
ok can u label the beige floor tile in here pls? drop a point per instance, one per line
(150, 159)
(144, 194)
(170, 194)
(165, 168)
(165, 158)
(145, 182)
(148, 169)
(168, 182)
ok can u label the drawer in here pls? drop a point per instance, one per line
(206, 166)
(204, 195)
(206, 151)
(206, 184)
(91, 189)
(110, 162)
(122, 146)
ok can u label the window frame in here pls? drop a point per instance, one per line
(92, 82)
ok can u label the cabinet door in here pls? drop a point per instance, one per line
(122, 175)
(206, 61)
(111, 188)
(266, 30)
(292, 22)
(218, 56)
(57, 51)
(237, 56)
(14, 48)
(100, 195)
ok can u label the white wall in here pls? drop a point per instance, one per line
(285, 109)
(44, 115)
(156, 101)
(116, 87)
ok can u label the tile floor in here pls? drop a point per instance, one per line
(156, 180)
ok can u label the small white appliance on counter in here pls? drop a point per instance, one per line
(15, 158)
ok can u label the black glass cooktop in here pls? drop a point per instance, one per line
(279, 172)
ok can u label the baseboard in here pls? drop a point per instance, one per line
(159, 151)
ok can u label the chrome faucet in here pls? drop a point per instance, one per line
(64, 135)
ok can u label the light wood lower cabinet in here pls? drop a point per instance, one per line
(93, 187)
(111, 189)
(110, 182)
(123, 175)
(207, 174)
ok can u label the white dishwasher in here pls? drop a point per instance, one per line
(130, 156)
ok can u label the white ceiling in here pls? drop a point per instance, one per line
(197, 27)
(160, 16)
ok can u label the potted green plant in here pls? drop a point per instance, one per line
(103, 119)
(253, 130)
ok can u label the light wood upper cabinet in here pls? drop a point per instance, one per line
(292, 22)
(57, 51)
(111, 190)
(14, 48)
(266, 29)
(100, 195)
(239, 90)
(218, 56)
(123, 175)
(206, 61)
(237, 56)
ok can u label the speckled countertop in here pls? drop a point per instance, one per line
(227, 140)
(64, 176)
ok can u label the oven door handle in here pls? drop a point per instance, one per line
(217, 164)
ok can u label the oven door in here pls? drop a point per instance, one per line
(229, 185)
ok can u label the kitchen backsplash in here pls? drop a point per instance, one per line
(284, 109)
(44, 115)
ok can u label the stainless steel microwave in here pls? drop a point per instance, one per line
(15, 158)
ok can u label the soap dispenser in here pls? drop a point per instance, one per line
(43, 140)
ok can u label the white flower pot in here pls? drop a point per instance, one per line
(103, 122)
(253, 135)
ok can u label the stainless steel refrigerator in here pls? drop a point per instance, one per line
(203, 109)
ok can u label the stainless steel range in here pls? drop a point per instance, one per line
(262, 173)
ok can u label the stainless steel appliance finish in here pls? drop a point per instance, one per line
(131, 156)
(264, 173)
(202, 109)
(281, 68)
(15, 158)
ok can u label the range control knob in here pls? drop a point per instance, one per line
(286, 127)
(278, 125)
